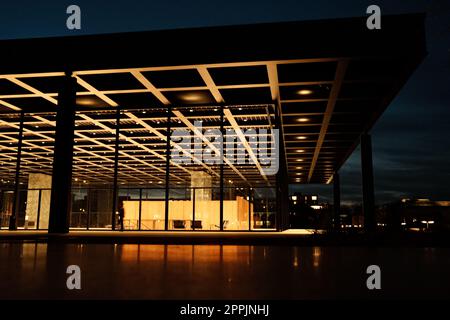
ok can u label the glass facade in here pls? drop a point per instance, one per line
(189, 168)
(26, 156)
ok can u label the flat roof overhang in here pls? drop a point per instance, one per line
(330, 80)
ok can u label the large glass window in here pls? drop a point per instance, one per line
(100, 207)
(237, 208)
(9, 127)
(93, 169)
(129, 198)
(6, 206)
(250, 166)
(264, 214)
(153, 209)
(207, 208)
(181, 209)
(194, 200)
(8, 154)
(142, 168)
(80, 208)
(35, 175)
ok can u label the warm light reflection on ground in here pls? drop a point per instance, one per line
(132, 271)
(302, 231)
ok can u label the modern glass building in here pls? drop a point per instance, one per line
(192, 129)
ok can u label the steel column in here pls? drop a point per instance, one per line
(116, 167)
(15, 208)
(336, 201)
(222, 149)
(367, 183)
(61, 196)
(166, 214)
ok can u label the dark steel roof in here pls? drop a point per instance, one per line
(329, 80)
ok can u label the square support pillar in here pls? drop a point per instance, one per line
(61, 195)
(116, 170)
(168, 155)
(336, 201)
(367, 183)
(15, 208)
(222, 150)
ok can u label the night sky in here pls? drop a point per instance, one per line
(411, 146)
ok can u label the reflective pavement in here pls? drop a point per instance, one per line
(131, 271)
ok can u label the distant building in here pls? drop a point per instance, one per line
(351, 216)
(306, 212)
(417, 215)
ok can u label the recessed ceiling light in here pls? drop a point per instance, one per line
(299, 151)
(192, 97)
(299, 160)
(302, 119)
(302, 138)
(304, 92)
(86, 101)
(298, 168)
